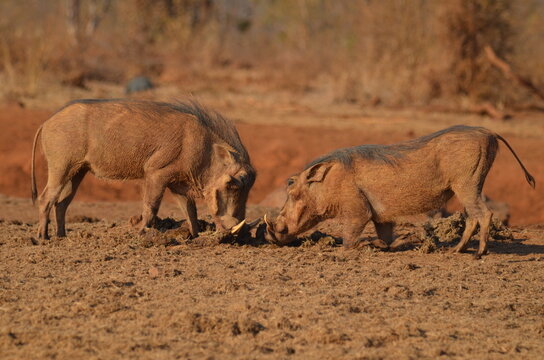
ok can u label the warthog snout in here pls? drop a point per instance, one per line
(278, 232)
(227, 222)
(280, 226)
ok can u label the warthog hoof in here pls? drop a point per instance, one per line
(135, 220)
(455, 250)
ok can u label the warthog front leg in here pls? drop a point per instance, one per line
(352, 232)
(353, 229)
(191, 215)
(356, 218)
(385, 232)
(154, 187)
(188, 207)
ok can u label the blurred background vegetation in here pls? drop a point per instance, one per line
(392, 52)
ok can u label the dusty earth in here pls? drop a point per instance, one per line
(105, 292)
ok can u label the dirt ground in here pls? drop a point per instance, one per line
(105, 292)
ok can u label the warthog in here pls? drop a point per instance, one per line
(382, 183)
(183, 147)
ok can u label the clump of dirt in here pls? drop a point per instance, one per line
(211, 238)
(165, 232)
(320, 240)
(253, 236)
(169, 232)
(499, 231)
(83, 219)
(245, 236)
(154, 237)
(204, 323)
(444, 232)
(167, 224)
(317, 238)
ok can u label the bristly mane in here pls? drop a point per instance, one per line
(388, 154)
(221, 127)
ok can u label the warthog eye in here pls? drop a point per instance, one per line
(234, 183)
(290, 181)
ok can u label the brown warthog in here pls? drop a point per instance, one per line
(182, 147)
(382, 183)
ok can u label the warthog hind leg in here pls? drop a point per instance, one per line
(485, 222)
(65, 198)
(477, 213)
(48, 198)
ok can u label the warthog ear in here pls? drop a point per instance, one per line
(317, 172)
(225, 154)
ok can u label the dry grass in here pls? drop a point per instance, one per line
(391, 52)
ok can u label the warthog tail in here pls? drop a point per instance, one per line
(529, 177)
(32, 167)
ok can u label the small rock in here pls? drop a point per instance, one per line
(137, 84)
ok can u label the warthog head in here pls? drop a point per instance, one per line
(230, 178)
(308, 203)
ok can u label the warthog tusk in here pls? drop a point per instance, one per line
(268, 226)
(254, 222)
(237, 228)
